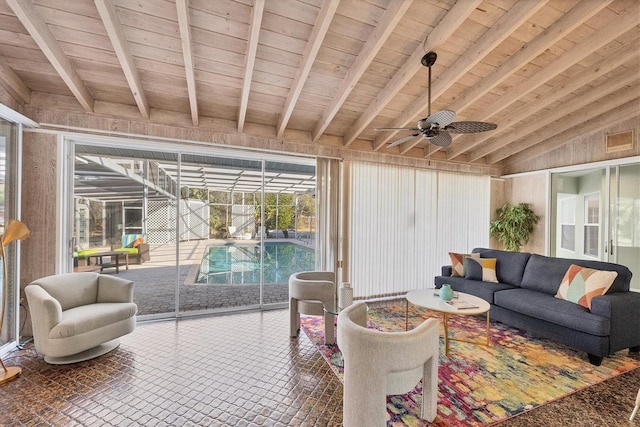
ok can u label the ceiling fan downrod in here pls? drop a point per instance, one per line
(428, 60)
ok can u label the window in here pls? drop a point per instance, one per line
(592, 224)
(567, 215)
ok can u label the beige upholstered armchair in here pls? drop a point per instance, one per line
(313, 293)
(79, 316)
(377, 364)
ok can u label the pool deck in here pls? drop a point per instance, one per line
(155, 281)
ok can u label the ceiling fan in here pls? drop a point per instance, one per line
(438, 127)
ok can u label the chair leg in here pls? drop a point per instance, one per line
(430, 389)
(329, 328)
(294, 318)
(635, 410)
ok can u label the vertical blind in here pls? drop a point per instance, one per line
(403, 222)
(328, 213)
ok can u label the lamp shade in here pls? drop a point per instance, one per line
(15, 230)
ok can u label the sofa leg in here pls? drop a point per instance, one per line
(635, 349)
(595, 360)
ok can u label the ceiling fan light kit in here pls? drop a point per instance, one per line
(438, 127)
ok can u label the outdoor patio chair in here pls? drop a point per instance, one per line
(377, 364)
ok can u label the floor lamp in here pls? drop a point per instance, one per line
(15, 230)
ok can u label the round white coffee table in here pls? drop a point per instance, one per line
(429, 299)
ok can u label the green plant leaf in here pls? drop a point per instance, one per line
(514, 225)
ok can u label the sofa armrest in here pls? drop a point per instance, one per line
(143, 251)
(446, 270)
(623, 311)
(46, 311)
(114, 289)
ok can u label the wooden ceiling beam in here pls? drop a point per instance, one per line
(563, 26)
(320, 28)
(182, 7)
(514, 133)
(447, 26)
(254, 34)
(13, 83)
(42, 35)
(597, 70)
(509, 22)
(583, 127)
(577, 105)
(374, 43)
(580, 113)
(577, 53)
(109, 16)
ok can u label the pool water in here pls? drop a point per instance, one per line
(234, 263)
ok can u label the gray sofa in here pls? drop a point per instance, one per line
(525, 298)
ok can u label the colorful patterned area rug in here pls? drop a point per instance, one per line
(480, 385)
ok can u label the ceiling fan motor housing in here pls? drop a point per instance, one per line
(429, 59)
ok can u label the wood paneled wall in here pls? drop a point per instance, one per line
(580, 150)
(39, 193)
(530, 189)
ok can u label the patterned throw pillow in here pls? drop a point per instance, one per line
(481, 269)
(580, 284)
(457, 263)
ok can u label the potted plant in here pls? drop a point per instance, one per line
(514, 225)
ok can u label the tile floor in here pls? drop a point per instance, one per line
(230, 370)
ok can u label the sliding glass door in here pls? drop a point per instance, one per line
(201, 233)
(624, 226)
(596, 215)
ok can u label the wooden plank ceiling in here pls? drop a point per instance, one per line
(331, 71)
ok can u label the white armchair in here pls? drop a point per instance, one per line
(79, 316)
(377, 364)
(313, 293)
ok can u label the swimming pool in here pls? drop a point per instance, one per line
(238, 263)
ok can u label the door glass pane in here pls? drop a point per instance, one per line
(627, 221)
(125, 221)
(591, 224)
(8, 189)
(250, 247)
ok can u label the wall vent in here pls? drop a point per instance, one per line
(620, 141)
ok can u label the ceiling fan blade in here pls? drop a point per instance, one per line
(442, 118)
(470, 127)
(442, 139)
(403, 140)
(411, 129)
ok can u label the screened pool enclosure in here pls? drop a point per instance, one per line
(218, 232)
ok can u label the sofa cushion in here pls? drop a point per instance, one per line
(484, 290)
(129, 239)
(457, 263)
(483, 269)
(510, 265)
(544, 274)
(580, 284)
(87, 318)
(131, 251)
(545, 307)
